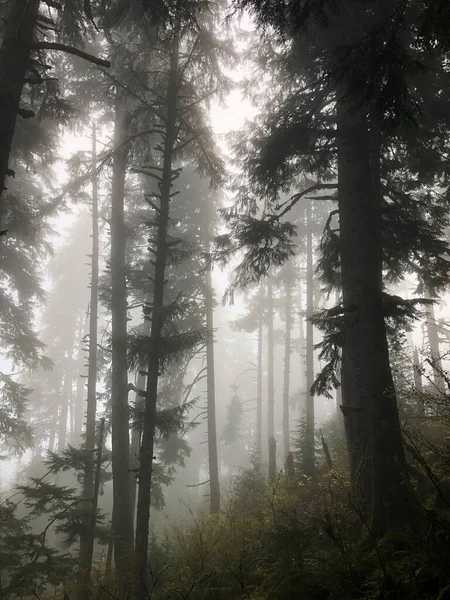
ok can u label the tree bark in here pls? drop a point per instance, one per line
(213, 461)
(122, 525)
(148, 434)
(14, 60)
(287, 368)
(374, 438)
(309, 465)
(139, 405)
(87, 536)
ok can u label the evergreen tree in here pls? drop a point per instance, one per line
(22, 37)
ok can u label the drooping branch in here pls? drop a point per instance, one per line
(296, 197)
(70, 50)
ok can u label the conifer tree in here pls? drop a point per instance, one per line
(371, 111)
(183, 133)
(21, 39)
(122, 524)
(87, 536)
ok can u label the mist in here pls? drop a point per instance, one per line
(224, 274)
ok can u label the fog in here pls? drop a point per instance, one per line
(224, 275)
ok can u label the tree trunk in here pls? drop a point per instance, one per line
(14, 60)
(418, 383)
(122, 526)
(272, 460)
(435, 353)
(65, 400)
(309, 465)
(213, 462)
(259, 390)
(78, 405)
(148, 434)
(287, 368)
(270, 388)
(369, 404)
(139, 406)
(87, 536)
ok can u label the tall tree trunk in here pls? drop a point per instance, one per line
(369, 404)
(87, 536)
(139, 406)
(149, 422)
(309, 465)
(270, 388)
(435, 353)
(213, 461)
(122, 524)
(259, 389)
(287, 368)
(14, 60)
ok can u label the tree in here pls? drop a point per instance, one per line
(309, 452)
(19, 42)
(182, 133)
(368, 104)
(270, 386)
(214, 485)
(88, 534)
(122, 517)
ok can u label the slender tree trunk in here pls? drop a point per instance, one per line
(270, 388)
(14, 60)
(435, 353)
(78, 404)
(122, 524)
(369, 404)
(259, 390)
(339, 388)
(53, 425)
(309, 454)
(213, 461)
(66, 399)
(272, 460)
(87, 536)
(287, 368)
(148, 434)
(420, 406)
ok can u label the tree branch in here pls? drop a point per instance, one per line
(296, 197)
(70, 50)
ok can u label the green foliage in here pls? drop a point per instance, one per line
(305, 540)
(267, 241)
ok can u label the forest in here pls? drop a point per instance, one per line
(224, 288)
